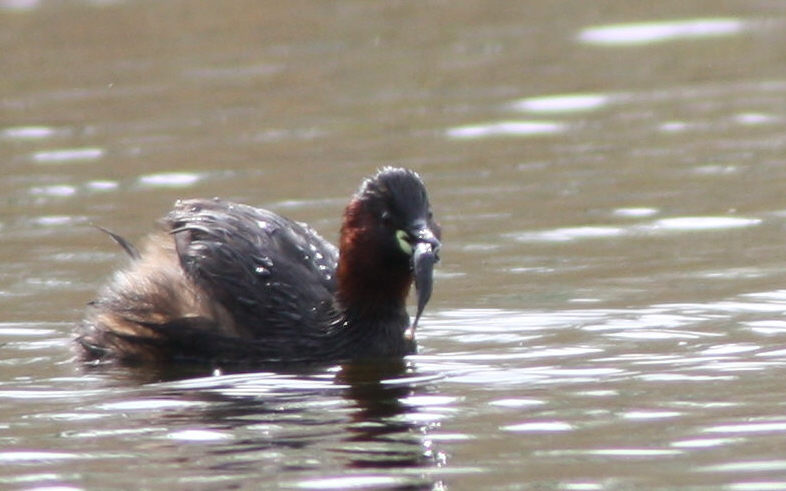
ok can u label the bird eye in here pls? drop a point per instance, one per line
(386, 218)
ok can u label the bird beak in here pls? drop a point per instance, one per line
(425, 255)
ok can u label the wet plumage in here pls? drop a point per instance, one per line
(229, 283)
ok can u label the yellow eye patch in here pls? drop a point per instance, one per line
(403, 241)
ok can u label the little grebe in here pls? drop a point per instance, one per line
(224, 282)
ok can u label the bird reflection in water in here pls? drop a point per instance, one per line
(303, 424)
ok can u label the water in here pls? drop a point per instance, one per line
(609, 308)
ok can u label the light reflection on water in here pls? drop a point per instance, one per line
(67, 155)
(657, 32)
(506, 128)
(563, 103)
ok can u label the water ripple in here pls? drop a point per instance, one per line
(641, 33)
(661, 226)
(561, 103)
(752, 427)
(539, 426)
(41, 457)
(68, 155)
(170, 179)
(28, 133)
(505, 128)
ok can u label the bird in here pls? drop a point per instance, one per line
(227, 283)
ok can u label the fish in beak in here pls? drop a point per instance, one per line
(424, 256)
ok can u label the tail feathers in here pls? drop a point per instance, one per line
(91, 349)
(107, 346)
(121, 241)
